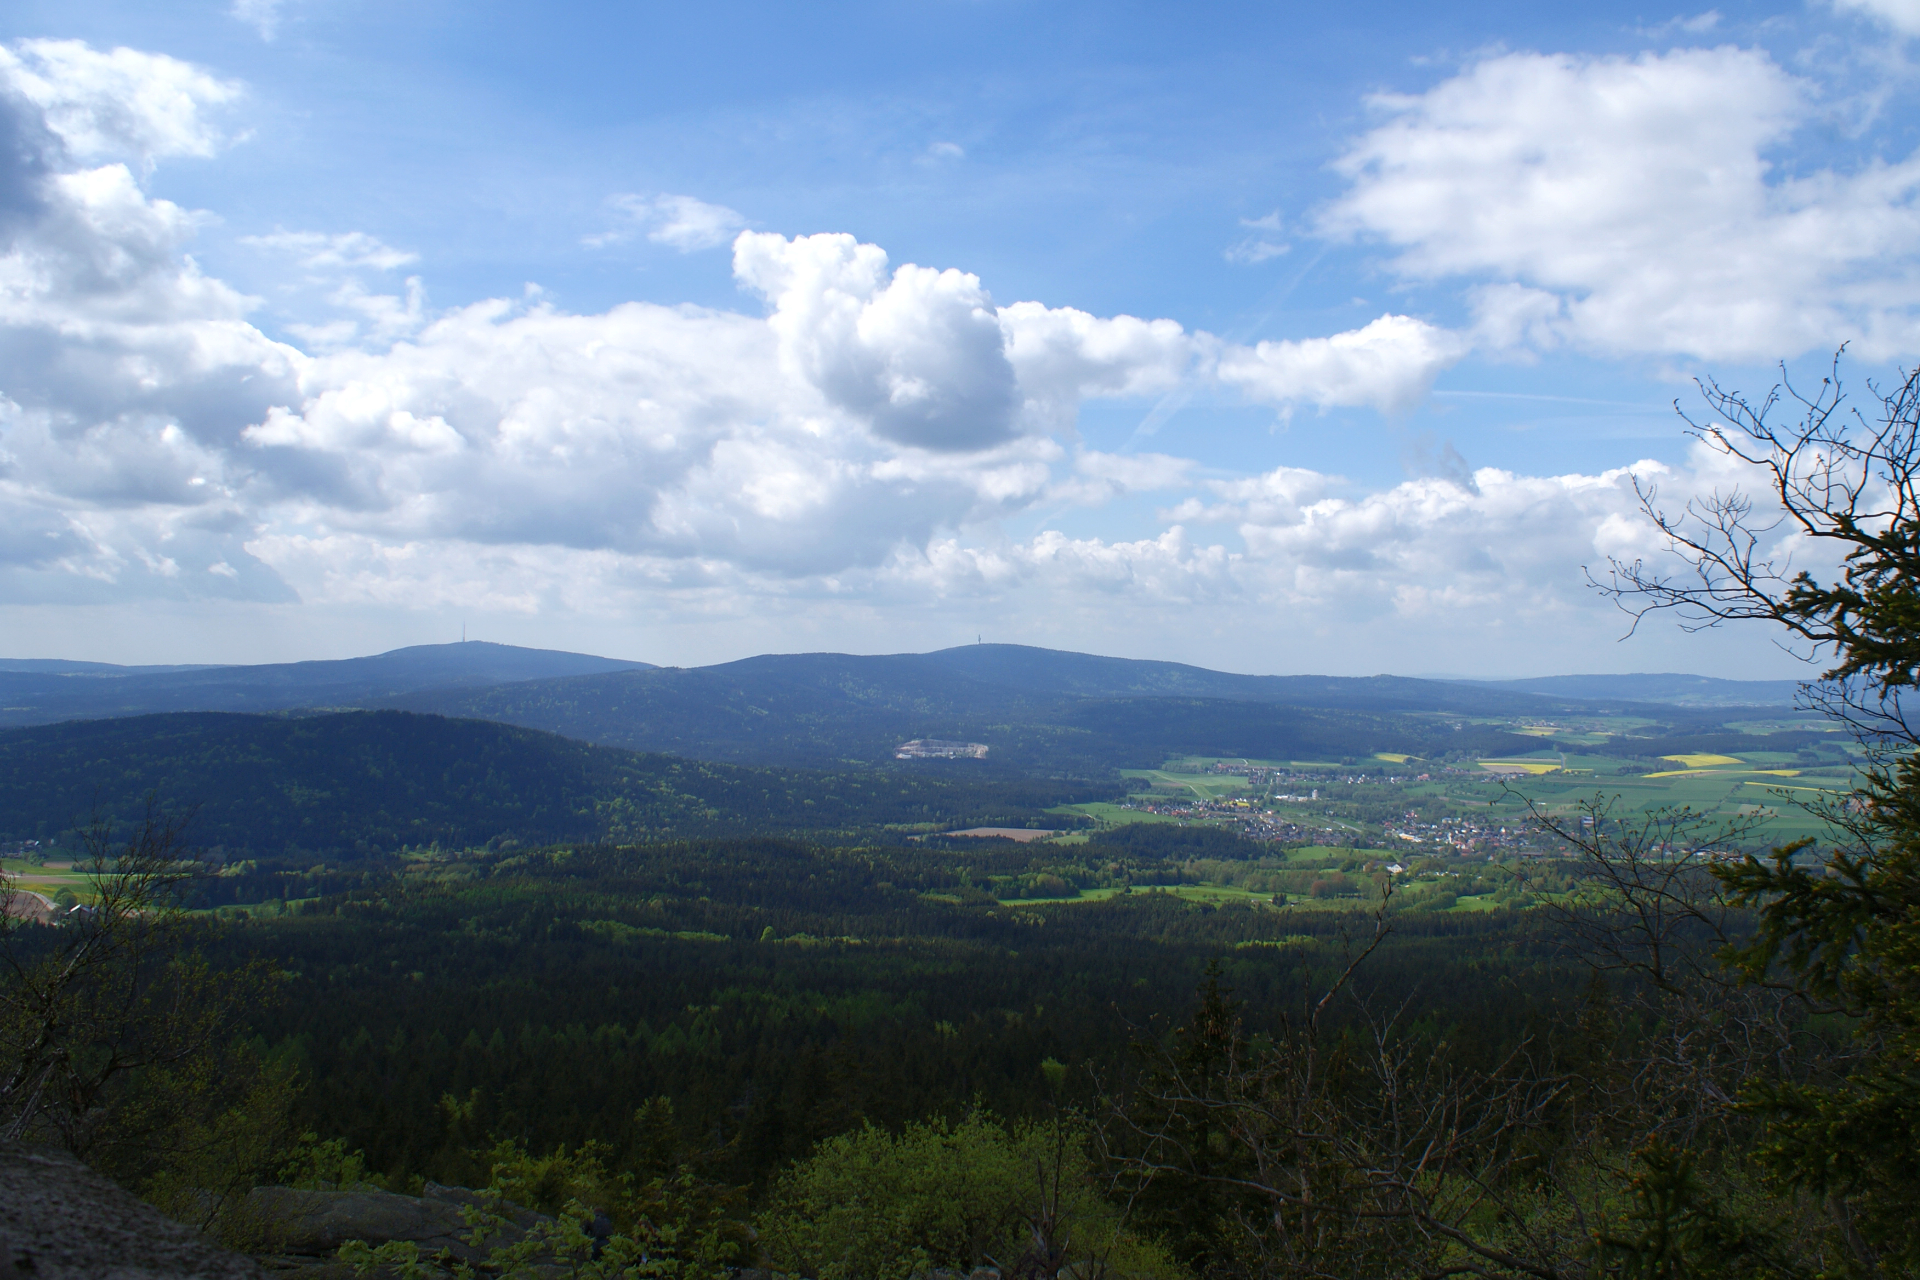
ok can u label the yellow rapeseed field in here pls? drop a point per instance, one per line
(1535, 767)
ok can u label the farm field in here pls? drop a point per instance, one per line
(1105, 813)
(1717, 786)
(1199, 786)
(1430, 804)
(1210, 894)
(48, 879)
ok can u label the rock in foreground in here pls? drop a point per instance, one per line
(59, 1220)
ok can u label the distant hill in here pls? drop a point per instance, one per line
(42, 691)
(1674, 690)
(371, 781)
(1038, 711)
(63, 667)
(1042, 712)
(1054, 671)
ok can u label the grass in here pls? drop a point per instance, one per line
(1207, 762)
(1327, 853)
(1715, 794)
(1210, 786)
(1775, 786)
(1109, 814)
(43, 879)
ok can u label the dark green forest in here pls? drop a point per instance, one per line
(781, 993)
(360, 784)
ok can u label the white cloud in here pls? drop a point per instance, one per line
(1101, 477)
(319, 250)
(917, 354)
(1635, 201)
(1698, 24)
(1254, 250)
(1325, 576)
(1901, 15)
(1263, 245)
(363, 316)
(680, 222)
(946, 151)
(262, 15)
(118, 104)
(1510, 542)
(1483, 571)
(1062, 356)
(1389, 365)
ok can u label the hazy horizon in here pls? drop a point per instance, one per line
(9, 658)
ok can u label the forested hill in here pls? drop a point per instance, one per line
(368, 782)
(44, 692)
(1042, 712)
(826, 709)
(1675, 690)
(1086, 675)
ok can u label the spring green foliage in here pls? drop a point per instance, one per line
(873, 1204)
(122, 1042)
(567, 1210)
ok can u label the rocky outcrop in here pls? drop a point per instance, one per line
(317, 1223)
(309, 1226)
(59, 1220)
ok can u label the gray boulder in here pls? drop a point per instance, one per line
(314, 1224)
(59, 1220)
(319, 1222)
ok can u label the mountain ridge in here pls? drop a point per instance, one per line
(1665, 688)
(32, 693)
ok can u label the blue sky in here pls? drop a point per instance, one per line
(1270, 338)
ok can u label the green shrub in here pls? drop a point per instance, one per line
(872, 1206)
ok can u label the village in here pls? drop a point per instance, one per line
(1404, 813)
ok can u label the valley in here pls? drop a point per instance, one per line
(773, 903)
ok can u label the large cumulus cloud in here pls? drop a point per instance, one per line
(1635, 205)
